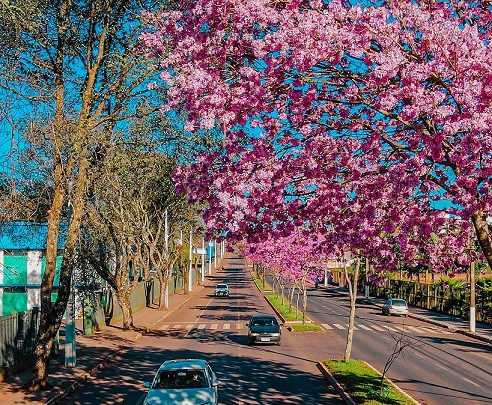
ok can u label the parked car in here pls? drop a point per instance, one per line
(395, 306)
(221, 290)
(184, 382)
(263, 328)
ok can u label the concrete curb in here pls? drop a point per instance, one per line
(440, 324)
(344, 395)
(412, 400)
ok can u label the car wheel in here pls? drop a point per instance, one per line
(250, 341)
(279, 344)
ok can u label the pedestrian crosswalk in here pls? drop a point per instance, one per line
(363, 327)
(395, 328)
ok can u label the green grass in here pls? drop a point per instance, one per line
(259, 283)
(306, 327)
(363, 384)
(276, 301)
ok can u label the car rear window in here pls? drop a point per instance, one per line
(264, 322)
(173, 379)
(221, 286)
(398, 303)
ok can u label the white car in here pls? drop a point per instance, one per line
(183, 382)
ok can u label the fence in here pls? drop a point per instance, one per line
(438, 297)
(17, 335)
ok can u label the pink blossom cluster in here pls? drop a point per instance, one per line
(371, 116)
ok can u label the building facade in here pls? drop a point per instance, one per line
(23, 264)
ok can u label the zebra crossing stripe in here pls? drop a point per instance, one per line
(227, 326)
(189, 327)
(338, 326)
(164, 327)
(326, 326)
(375, 327)
(413, 329)
(178, 326)
(391, 329)
(239, 326)
(355, 327)
(201, 326)
(364, 327)
(214, 326)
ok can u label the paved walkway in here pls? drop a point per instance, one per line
(483, 331)
(93, 352)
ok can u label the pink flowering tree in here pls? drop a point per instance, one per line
(293, 260)
(385, 97)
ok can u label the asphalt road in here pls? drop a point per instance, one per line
(439, 367)
(214, 329)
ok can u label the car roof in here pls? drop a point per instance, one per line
(263, 316)
(180, 364)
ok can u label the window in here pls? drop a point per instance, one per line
(175, 379)
(264, 322)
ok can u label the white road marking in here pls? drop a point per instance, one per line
(355, 327)
(227, 326)
(178, 326)
(239, 325)
(189, 326)
(201, 326)
(391, 329)
(471, 382)
(326, 326)
(214, 326)
(164, 327)
(375, 327)
(419, 355)
(338, 326)
(438, 365)
(364, 327)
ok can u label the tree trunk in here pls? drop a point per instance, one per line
(126, 309)
(291, 297)
(482, 230)
(304, 300)
(162, 295)
(352, 285)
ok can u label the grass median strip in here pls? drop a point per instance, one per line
(364, 384)
(259, 283)
(306, 327)
(289, 314)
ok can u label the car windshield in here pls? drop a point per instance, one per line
(264, 322)
(398, 303)
(175, 379)
(221, 286)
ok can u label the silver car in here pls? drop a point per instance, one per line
(395, 306)
(183, 382)
(221, 290)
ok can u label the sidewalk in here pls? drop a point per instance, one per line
(93, 352)
(483, 331)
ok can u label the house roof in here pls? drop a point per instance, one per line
(24, 235)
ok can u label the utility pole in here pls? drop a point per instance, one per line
(215, 254)
(209, 257)
(203, 260)
(166, 244)
(190, 271)
(366, 285)
(472, 297)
